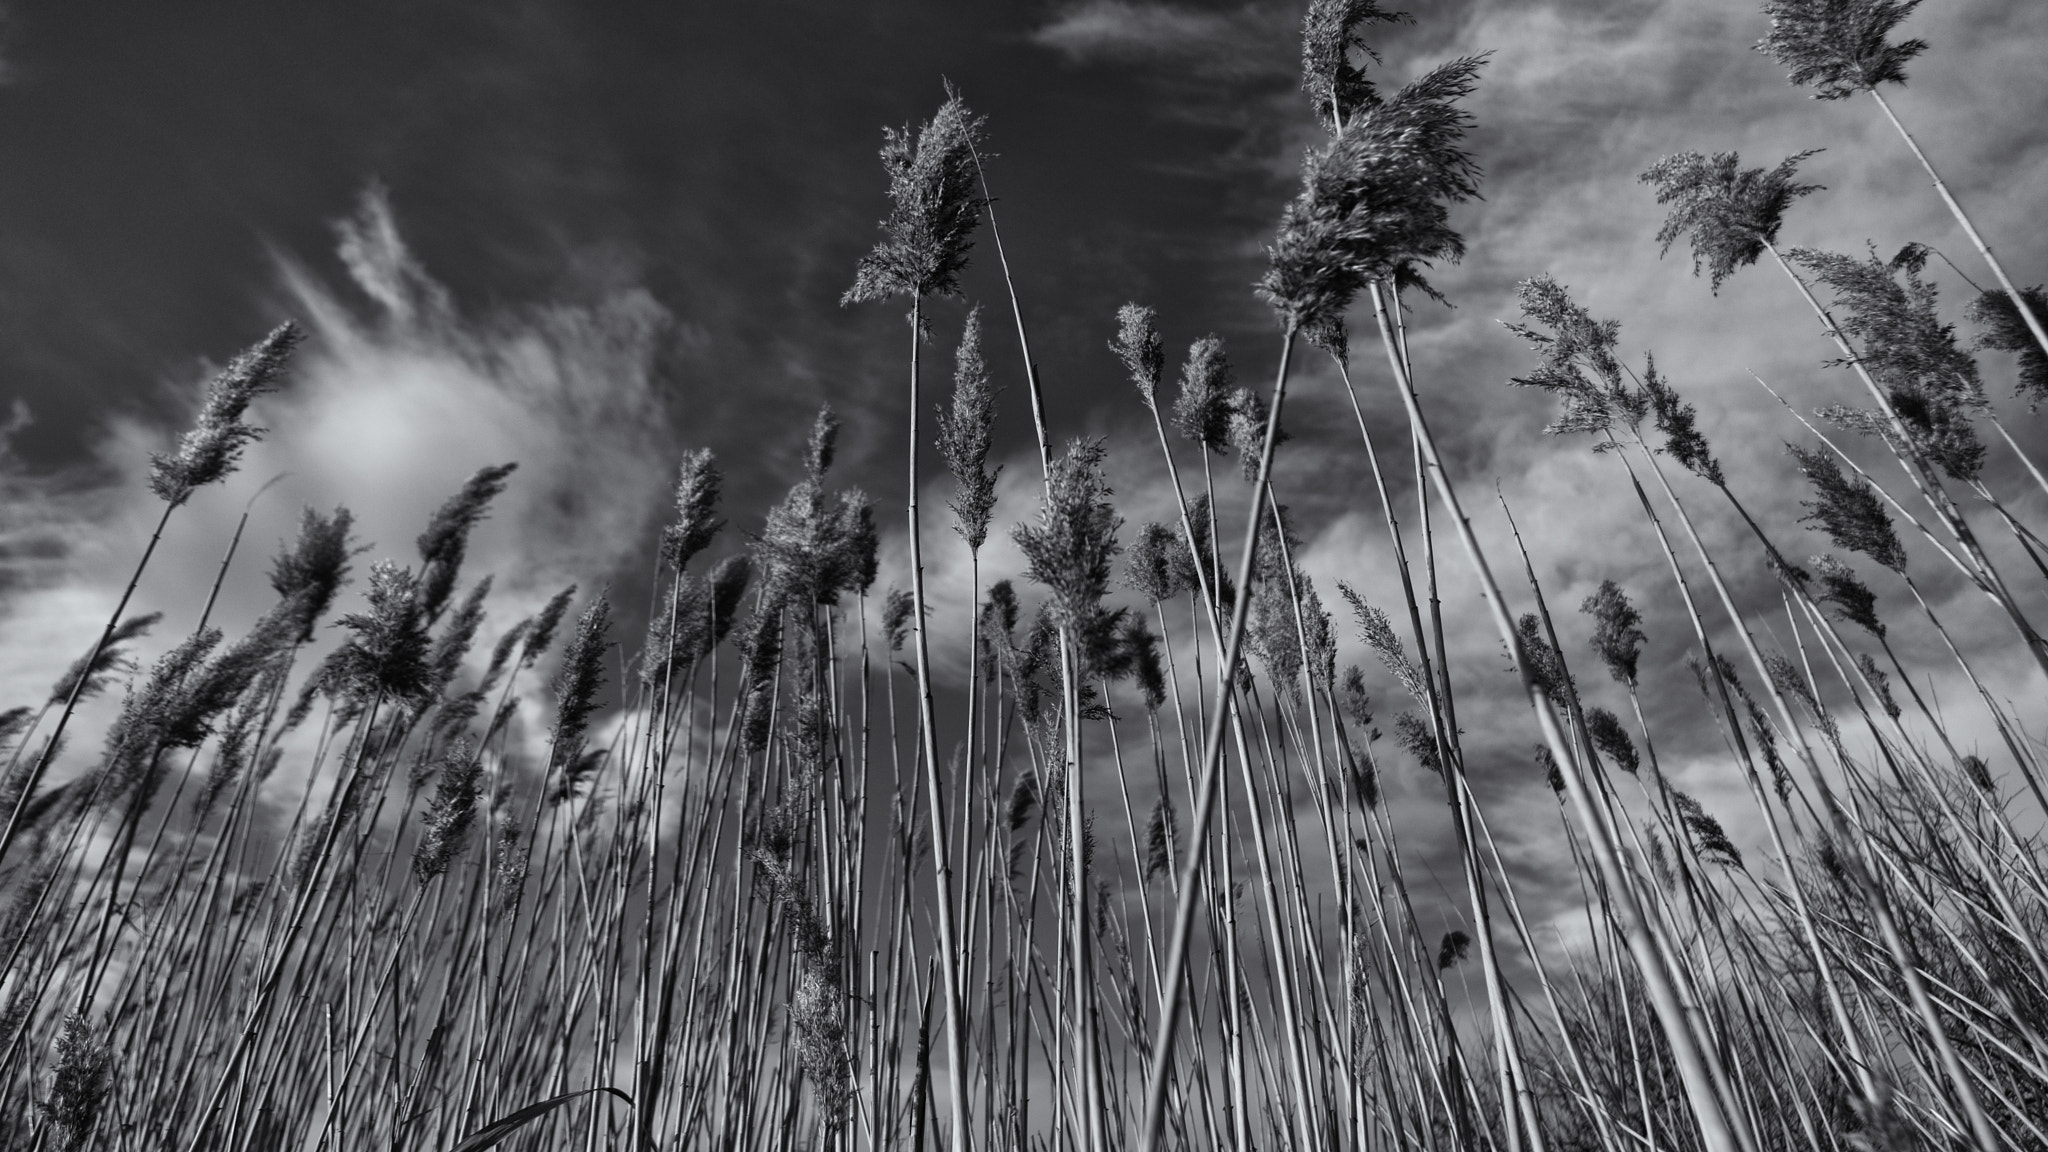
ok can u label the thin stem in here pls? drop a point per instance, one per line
(1212, 761)
(942, 860)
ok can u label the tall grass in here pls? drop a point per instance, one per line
(768, 880)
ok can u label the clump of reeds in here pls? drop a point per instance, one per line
(1148, 875)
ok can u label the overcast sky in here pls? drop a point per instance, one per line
(587, 236)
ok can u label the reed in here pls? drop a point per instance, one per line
(764, 875)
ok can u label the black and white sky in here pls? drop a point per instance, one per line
(590, 234)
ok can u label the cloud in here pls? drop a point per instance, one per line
(385, 409)
(411, 399)
(1253, 42)
(1231, 69)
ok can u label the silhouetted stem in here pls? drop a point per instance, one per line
(42, 764)
(1212, 763)
(942, 861)
(1718, 1124)
(2012, 291)
(1916, 469)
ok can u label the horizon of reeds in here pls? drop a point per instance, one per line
(1138, 885)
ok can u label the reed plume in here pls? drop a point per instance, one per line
(965, 435)
(446, 540)
(210, 451)
(1840, 47)
(1730, 214)
(1333, 53)
(933, 208)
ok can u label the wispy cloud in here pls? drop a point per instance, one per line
(1231, 69)
(386, 409)
(415, 395)
(1252, 42)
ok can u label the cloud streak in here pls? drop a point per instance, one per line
(386, 409)
(1248, 43)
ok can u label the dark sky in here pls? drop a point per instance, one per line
(721, 156)
(608, 232)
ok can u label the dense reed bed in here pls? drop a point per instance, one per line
(772, 879)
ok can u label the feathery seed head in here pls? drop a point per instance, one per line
(934, 207)
(1546, 667)
(458, 635)
(504, 648)
(1879, 682)
(1378, 633)
(80, 1082)
(387, 649)
(1071, 547)
(1201, 412)
(822, 443)
(1271, 635)
(1617, 630)
(1375, 201)
(1162, 838)
(698, 486)
(1023, 801)
(1159, 564)
(1932, 383)
(965, 435)
(1318, 633)
(1416, 739)
(1204, 556)
(542, 632)
(1579, 367)
(999, 614)
(210, 451)
(1891, 310)
(897, 607)
(1851, 599)
(1730, 213)
(1332, 37)
(1365, 773)
(1137, 344)
(1353, 698)
(1613, 739)
(1840, 47)
(728, 584)
(1455, 947)
(857, 542)
(1328, 333)
(148, 711)
(231, 754)
(315, 568)
(1790, 681)
(676, 630)
(1707, 833)
(215, 688)
(815, 546)
(13, 722)
(1247, 430)
(508, 880)
(1146, 669)
(1850, 512)
(1679, 422)
(445, 542)
(577, 683)
(90, 672)
(451, 813)
(1552, 774)
(2003, 329)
